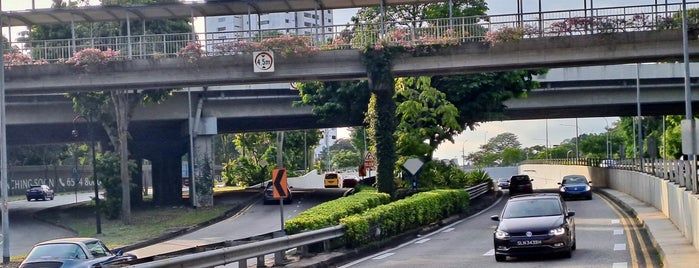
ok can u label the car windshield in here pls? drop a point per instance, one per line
(57, 251)
(574, 180)
(520, 179)
(35, 187)
(97, 249)
(503, 180)
(532, 208)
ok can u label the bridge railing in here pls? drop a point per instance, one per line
(677, 171)
(451, 30)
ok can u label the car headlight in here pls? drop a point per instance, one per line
(563, 189)
(501, 234)
(557, 231)
(587, 187)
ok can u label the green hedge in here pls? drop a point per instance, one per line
(416, 211)
(329, 213)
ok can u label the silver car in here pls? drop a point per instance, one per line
(72, 252)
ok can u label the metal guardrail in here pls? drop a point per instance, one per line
(459, 29)
(241, 253)
(478, 190)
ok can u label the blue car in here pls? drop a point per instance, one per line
(575, 186)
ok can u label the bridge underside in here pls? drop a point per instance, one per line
(653, 109)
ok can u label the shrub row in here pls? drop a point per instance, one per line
(391, 219)
(329, 213)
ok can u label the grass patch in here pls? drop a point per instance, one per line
(148, 222)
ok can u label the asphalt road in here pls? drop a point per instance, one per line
(26, 230)
(603, 240)
(253, 220)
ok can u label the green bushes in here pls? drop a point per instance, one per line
(418, 210)
(329, 213)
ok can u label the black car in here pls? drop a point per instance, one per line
(37, 192)
(575, 186)
(269, 195)
(73, 253)
(534, 224)
(520, 184)
(503, 183)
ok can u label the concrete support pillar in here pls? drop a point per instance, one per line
(167, 179)
(203, 171)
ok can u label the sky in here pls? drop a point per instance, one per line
(529, 132)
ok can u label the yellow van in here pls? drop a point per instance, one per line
(332, 180)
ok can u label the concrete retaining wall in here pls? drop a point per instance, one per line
(679, 205)
(548, 176)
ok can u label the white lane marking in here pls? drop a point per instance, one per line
(619, 265)
(428, 235)
(619, 232)
(422, 241)
(382, 256)
(448, 230)
(616, 221)
(619, 246)
(490, 253)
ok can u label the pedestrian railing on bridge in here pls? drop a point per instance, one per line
(404, 33)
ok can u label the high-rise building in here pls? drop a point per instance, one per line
(242, 27)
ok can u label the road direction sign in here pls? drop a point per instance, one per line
(369, 160)
(413, 165)
(280, 188)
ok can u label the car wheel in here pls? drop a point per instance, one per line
(500, 258)
(574, 246)
(29, 199)
(51, 198)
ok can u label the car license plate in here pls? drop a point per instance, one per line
(528, 242)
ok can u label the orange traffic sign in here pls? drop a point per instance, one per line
(280, 188)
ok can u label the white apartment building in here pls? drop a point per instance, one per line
(240, 27)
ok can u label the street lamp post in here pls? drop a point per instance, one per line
(577, 137)
(463, 154)
(90, 136)
(609, 151)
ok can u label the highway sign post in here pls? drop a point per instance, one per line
(413, 166)
(369, 160)
(280, 189)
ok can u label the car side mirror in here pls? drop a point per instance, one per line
(119, 252)
(495, 218)
(560, 183)
(571, 213)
